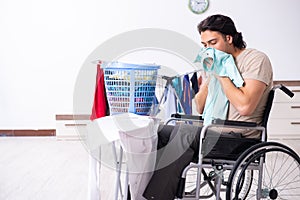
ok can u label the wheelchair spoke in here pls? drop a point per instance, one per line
(283, 176)
(266, 173)
(273, 168)
(286, 184)
(285, 180)
(293, 171)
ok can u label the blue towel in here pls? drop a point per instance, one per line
(186, 100)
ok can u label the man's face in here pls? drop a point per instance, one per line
(216, 40)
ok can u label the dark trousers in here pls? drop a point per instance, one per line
(177, 147)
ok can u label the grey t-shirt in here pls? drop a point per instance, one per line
(256, 65)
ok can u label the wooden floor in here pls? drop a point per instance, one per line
(42, 168)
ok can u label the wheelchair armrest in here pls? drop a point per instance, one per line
(234, 123)
(183, 116)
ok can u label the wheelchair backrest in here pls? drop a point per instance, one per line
(268, 107)
(270, 102)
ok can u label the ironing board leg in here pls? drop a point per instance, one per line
(118, 184)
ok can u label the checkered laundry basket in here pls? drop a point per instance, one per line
(130, 87)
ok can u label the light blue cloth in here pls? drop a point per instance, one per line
(219, 63)
(177, 84)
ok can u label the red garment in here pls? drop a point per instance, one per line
(100, 102)
(200, 79)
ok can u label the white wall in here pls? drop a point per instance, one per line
(44, 43)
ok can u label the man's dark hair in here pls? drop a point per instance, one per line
(225, 26)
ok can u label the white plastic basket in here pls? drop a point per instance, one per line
(130, 87)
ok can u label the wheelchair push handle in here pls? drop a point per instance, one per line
(286, 90)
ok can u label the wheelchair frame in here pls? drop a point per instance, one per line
(251, 159)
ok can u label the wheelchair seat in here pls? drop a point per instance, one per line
(226, 147)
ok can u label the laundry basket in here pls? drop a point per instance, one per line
(130, 87)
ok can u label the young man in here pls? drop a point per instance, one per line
(247, 103)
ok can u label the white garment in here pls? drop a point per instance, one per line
(138, 137)
(140, 150)
(169, 105)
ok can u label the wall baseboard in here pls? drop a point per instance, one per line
(28, 132)
(42, 132)
(287, 82)
(72, 117)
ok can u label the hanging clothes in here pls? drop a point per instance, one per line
(100, 106)
(186, 99)
(200, 79)
(195, 84)
(218, 63)
(177, 85)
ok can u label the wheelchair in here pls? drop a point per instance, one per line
(258, 169)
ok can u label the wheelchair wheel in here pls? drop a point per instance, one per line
(244, 185)
(276, 173)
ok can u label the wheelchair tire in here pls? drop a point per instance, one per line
(244, 184)
(276, 173)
